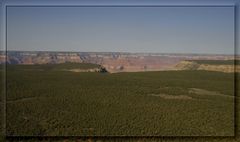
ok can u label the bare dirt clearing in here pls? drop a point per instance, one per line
(207, 92)
(166, 96)
(23, 99)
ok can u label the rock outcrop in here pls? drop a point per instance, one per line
(192, 65)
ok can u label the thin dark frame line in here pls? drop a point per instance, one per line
(93, 136)
(3, 87)
(124, 136)
(236, 74)
(234, 68)
(120, 5)
(5, 78)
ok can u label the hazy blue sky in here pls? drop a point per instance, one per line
(122, 29)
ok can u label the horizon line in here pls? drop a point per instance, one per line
(118, 52)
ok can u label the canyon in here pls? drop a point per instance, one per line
(115, 61)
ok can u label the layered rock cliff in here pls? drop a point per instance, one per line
(194, 65)
(112, 61)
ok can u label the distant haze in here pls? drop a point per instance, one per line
(121, 29)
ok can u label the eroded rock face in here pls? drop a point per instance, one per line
(134, 64)
(187, 65)
(113, 61)
(192, 65)
(41, 58)
(220, 68)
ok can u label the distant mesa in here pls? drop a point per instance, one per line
(226, 66)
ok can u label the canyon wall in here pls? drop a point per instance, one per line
(193, 65)
(112, 61)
